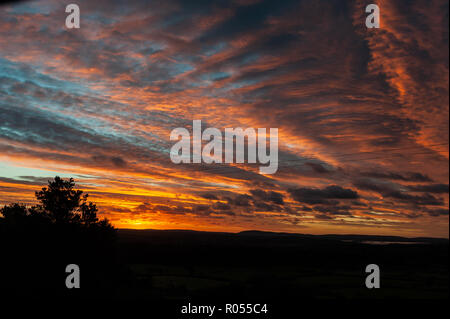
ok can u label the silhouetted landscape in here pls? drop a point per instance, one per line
(270, 266)
(39, 242)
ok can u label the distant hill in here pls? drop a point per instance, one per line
(127, 234)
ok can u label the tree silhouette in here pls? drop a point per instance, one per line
(59, 203)
(39, 241)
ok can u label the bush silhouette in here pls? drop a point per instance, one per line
(38, 242)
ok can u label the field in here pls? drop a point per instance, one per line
(176, 265)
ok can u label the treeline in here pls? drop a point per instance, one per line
(38, 242)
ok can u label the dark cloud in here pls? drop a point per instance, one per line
(221, 206)
(268, 196)
(438, 212)
(322, 196)
(246, 19)
(426, 199)
(431, 188)
(381, 187)
(408, 177)
(240, 200)
(323, 217)
(318, 168)
(266, 207)
(117, 161)
(209, 196)
(333, 210)
(399, 192)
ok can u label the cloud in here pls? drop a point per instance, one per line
(408, 177)
(240, 200)
(334, 210)
(400, 192)
(323, 217)
(431, 188)
(270, 196)
(209, 196)
(115, 160)
(426, 199)
(221, 206)
(322, 196)
(438, 212)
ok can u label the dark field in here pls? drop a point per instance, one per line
(258, 266)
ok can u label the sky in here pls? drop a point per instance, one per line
(362, 114)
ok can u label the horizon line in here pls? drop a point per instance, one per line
(275, 232)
